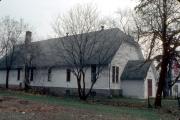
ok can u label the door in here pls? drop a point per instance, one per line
(149, 87)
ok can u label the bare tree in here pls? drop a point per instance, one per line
(160, 26)
(81, 45)
(10, 35)
(130, 24)
(122, 19)
(125, 21)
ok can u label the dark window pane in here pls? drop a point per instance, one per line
(68, 72)
(93, 73)
(117, 74)
(49, 74)
(18, 74)
(32, 73)
(113, 74)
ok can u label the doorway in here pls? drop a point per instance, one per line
(149, 87)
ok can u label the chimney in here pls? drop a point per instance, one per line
(102, 27)
(28, 37)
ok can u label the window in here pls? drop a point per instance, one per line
(117, 74)
(93, 73)
(32, 72)
(18, 74)
(68, 73)
(176, 89)
(113, 74)
(49, 74)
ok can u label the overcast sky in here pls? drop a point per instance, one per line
(41, 13)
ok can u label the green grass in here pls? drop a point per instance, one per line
(149, 114)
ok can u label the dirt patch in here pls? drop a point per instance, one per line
(23, 102)
(12, 104)
(119, 103)
(171, 111)
(12, 108)
(7, 98)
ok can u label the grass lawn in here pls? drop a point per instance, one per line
(90, 110)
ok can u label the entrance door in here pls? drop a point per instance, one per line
(149, 87)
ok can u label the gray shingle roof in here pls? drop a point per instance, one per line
(135, 70)
(49, 52)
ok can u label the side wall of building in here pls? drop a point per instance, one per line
(58, 80)
(13, 78)
(2, 77)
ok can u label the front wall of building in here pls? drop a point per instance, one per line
(133, 88)
(150, 75)
(126, 52)
(139, 88)
(176, 89)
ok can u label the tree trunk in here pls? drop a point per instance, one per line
(165, 57)
(27, 86)
(79, 86)
(162, 79)
(7, 78)
(84, 86)
(81, 91)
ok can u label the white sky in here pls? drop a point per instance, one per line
(41, 13)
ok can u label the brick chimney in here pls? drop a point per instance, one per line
(102, 27)
(67, 34)
(27, 45)
(28, 37)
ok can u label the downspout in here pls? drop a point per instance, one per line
(109, 81)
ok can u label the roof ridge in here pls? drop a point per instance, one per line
(55, 38)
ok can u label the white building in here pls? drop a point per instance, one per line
(174, 74)
(125, 72)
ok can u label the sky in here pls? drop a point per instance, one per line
(40, 14)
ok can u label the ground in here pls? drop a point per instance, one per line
(25, 106)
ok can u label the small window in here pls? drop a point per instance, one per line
(93, 73)
(117, 74)
(32, 74)
(18, 74)
(113, 74)
(176, 89)
(68, 73)
(49, 74)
